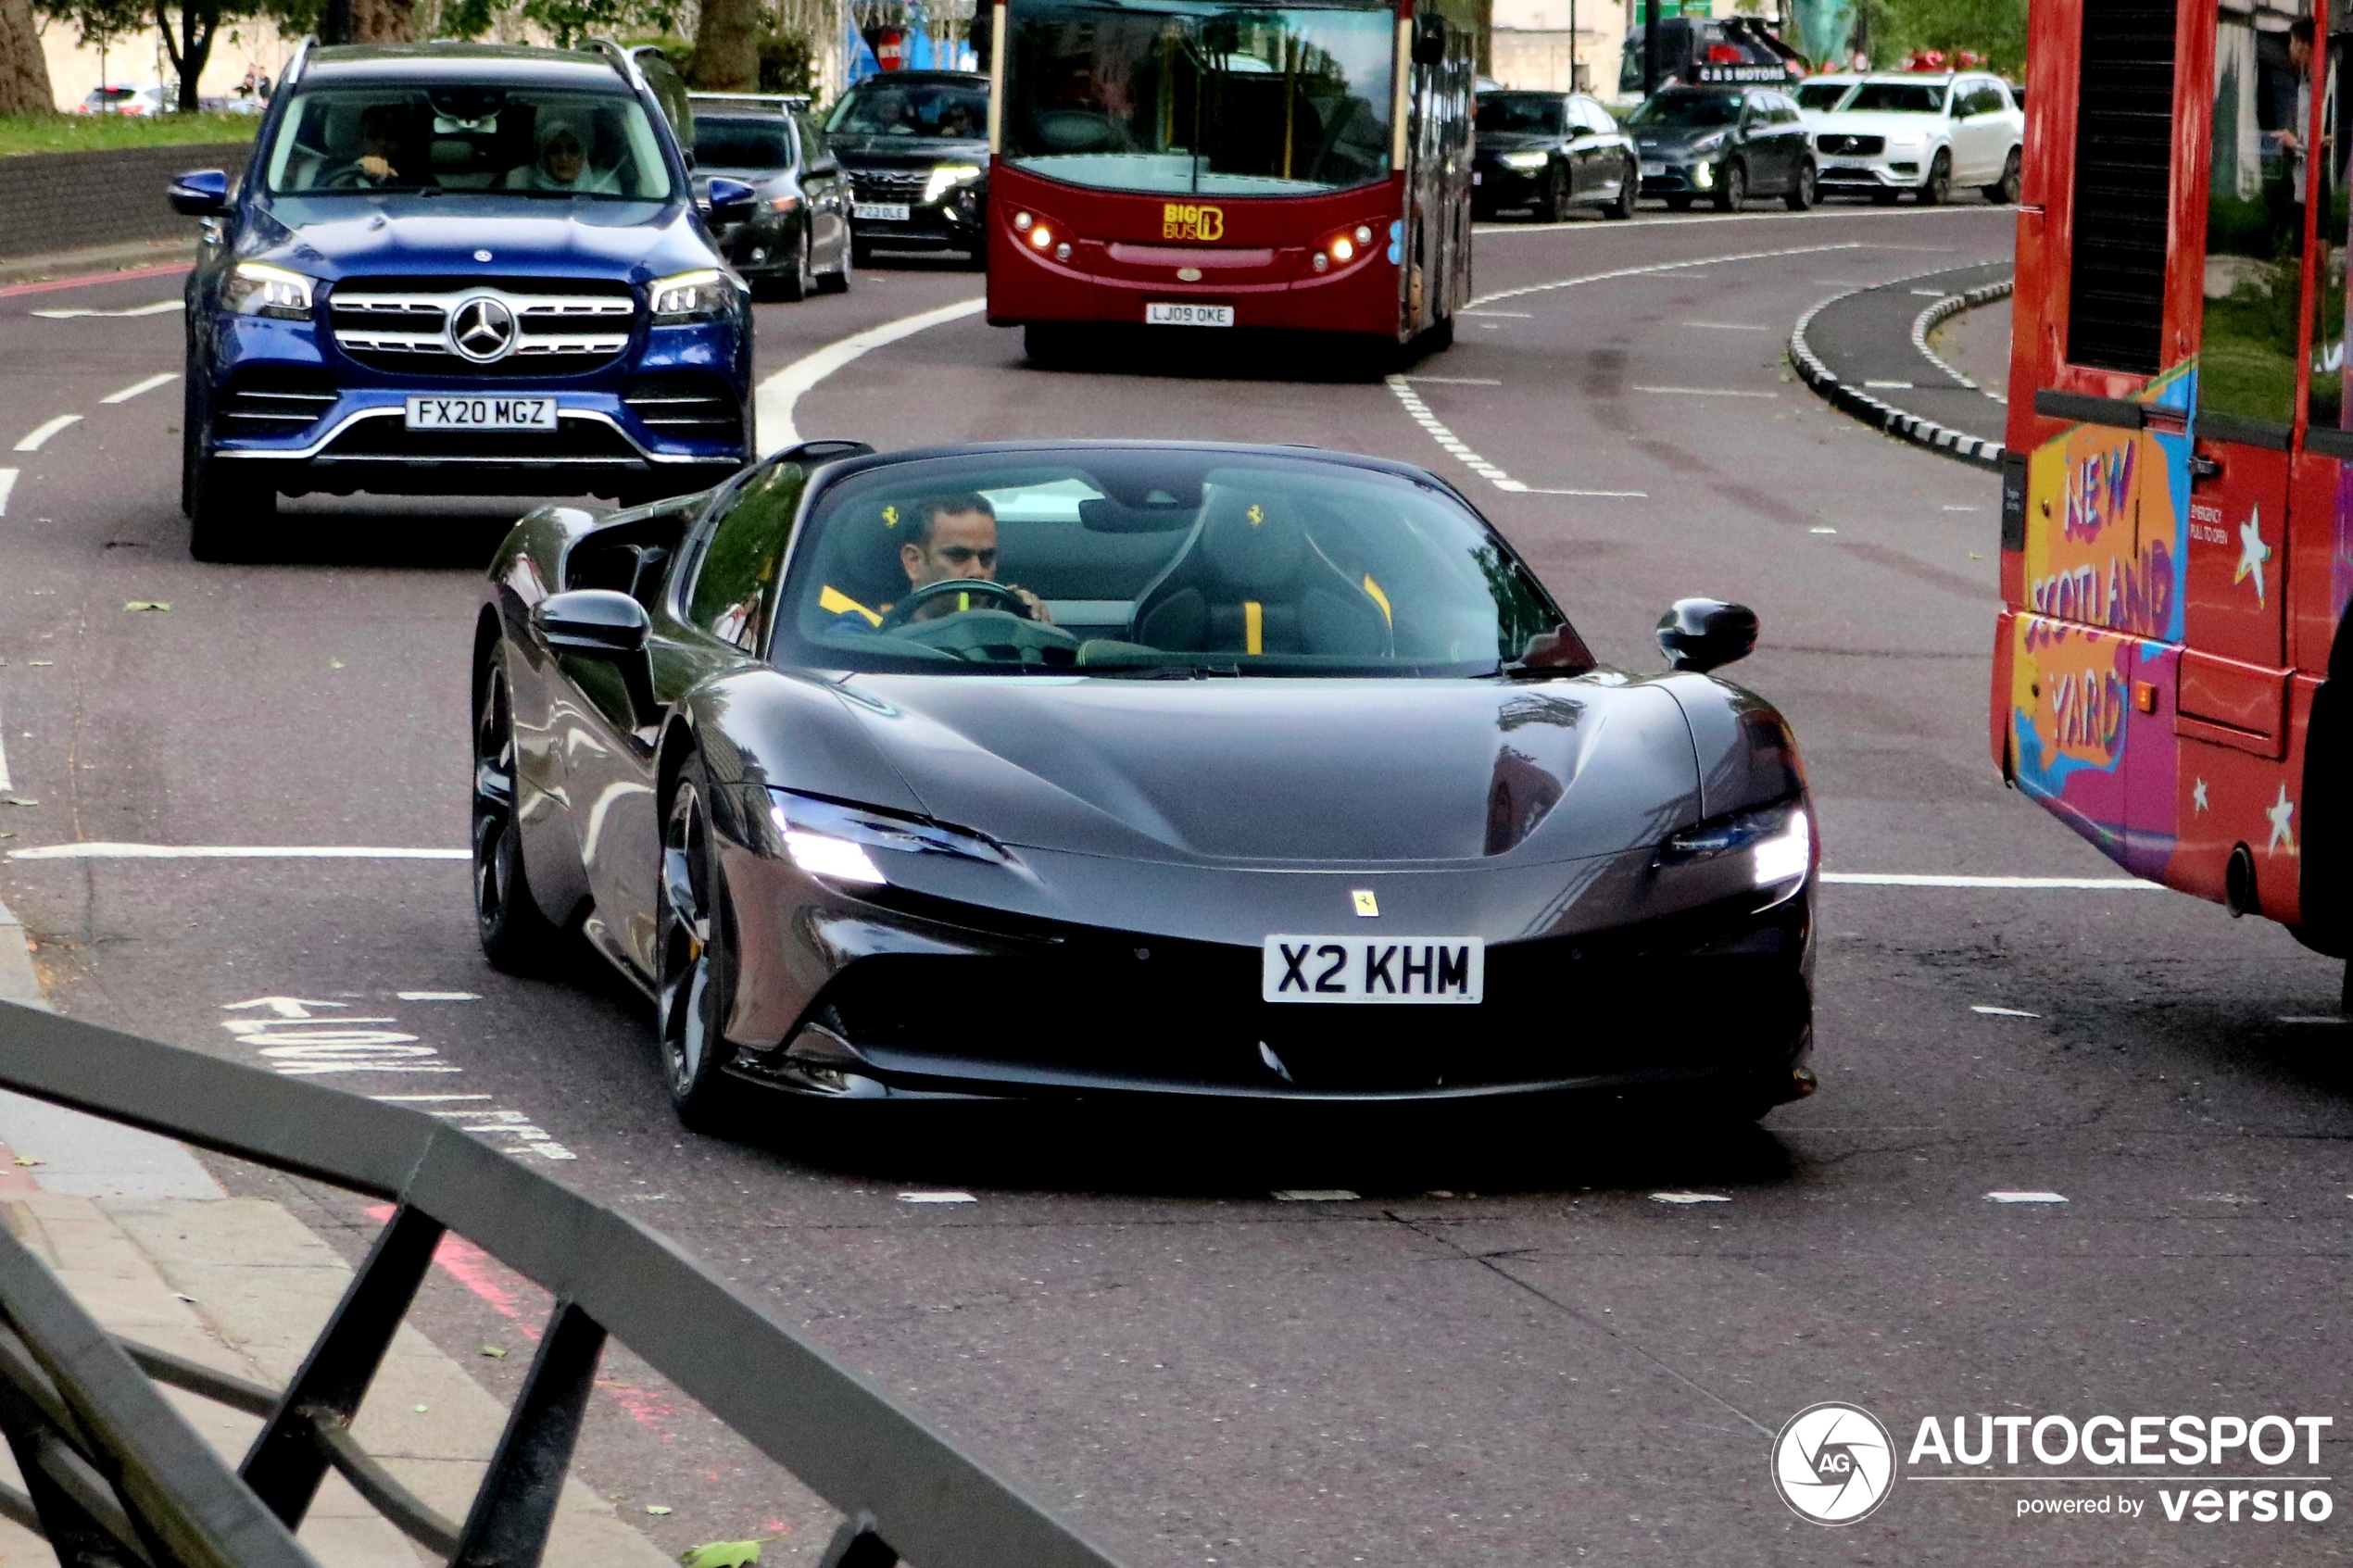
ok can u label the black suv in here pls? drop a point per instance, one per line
(461, 270)
(916, 145)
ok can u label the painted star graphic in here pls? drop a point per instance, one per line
(2197, 797)
(2253, 552)
(2279, 813)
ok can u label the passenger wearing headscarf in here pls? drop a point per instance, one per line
(564, 139)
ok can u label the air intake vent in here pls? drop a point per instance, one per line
(273, 403)
(687, 408)
(2123, 185)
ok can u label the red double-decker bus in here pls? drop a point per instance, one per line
(1203, 163)
(2172, 669)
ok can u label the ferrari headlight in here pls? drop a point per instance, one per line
(946, 178)
(700, 295)
(257, 289)
(1526, 160)
(1778, 840)
(834, 840)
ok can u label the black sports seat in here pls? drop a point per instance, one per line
(1254, 581)
(860, 570)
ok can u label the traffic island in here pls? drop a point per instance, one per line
(1866, 351)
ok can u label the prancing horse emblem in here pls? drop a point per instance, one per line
(482, 329)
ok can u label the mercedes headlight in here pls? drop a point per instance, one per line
(257, 289)
(704, 295)
(946, 178)
(839, 842)
(1778, 841)
(1530, 160)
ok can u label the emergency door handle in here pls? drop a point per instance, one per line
(2203, 468)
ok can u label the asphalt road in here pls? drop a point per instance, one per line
(1507, 1350)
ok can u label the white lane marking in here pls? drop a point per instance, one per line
(161, 308)
(135, 388)
(1480, 304)
(2028, 883)
(102, 851)
(2322, 1019)
(774, 399)
(1680, 221)
(7, 783)
(1891, 386)
(1514, 315)
(1703, 392)
(1605, 494)
(1822, 530)
(438, 996)
(296, 1041)
(1457, 381)
(2003, 1012)
(1418, 411)
(1689, 1197)
(1315, 1195)
(1730, 327)
(2025, 1197)
(1932, 294)
(39, 434)
(938, 1198)
(8, 483)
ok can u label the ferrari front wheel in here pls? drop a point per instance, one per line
(515, 935)
(690, 993)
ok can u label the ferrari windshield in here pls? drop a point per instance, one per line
(1151, 562)
(1195, 99)
(527, 142)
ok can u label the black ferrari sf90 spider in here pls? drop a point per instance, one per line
(1129, 768)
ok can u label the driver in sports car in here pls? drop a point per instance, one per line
(954, 540)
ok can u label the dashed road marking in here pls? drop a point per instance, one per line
(2015, 883)
(1728, 327)
(161, 308)
(135, 388)
(2025, 1198)
(1703, 392)
(39, 434)
(1457, 381)
(303, 1037)
(1479, 306)
(8, 483)
(107, 851)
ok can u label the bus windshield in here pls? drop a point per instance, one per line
(1200, 99)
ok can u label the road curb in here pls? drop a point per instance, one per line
(19, 982)
(1851, 399)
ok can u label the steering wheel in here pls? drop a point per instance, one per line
(904, 610)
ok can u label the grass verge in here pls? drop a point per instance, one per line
(92, 133)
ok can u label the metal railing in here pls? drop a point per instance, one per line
(116, 1478)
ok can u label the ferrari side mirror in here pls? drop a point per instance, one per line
(1703, 635)
(598, 622)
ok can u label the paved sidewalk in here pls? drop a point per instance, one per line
(139, 1231)
(137, 254)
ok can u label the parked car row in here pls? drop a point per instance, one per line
(1540, 152)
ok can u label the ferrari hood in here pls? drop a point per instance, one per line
(1306, 773)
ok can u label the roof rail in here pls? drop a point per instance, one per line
(787, 99)
(292, 72)
(617, 57)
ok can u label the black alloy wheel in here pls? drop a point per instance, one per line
(801, 283)
(1554, 206)
(1937, 189)
(1731, 187)
(2004, 191)
(1630, 183)
(690, 990)
(1802, 192)
(515, 935)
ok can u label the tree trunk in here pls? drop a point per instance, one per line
(726, 46)
(24, 73)
(383, 21)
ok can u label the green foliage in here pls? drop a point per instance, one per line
(466, 19)
(97, 23)
(1995, 29)
(93, 132)
(679, 52)
(720, 1554)
(787, 64)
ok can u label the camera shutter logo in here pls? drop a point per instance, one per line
(1833, 1463)
(482, 329)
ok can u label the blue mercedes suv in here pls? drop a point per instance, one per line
(460, 269)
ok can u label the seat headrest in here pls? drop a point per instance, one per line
(1251, 536)
(861, 552)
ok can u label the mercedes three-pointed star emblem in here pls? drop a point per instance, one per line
(482, 329)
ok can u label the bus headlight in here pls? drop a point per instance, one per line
(1343, 249)
(946, 178)
(257, 289)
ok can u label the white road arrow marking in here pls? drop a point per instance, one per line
(285, 1007)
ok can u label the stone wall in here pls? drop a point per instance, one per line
(68, 201)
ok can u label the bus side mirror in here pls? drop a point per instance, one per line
(1429, 39)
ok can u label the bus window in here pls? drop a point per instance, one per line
(2328, 403)
(2254, 234)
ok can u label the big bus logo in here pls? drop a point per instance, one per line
(1184, 221)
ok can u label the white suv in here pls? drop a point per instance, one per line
(1922, 131)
